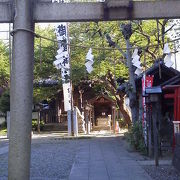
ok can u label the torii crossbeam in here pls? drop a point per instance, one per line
(23, 14)
(46, 11)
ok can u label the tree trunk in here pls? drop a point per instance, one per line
(120, 103)
(132, 90)
(119, 98)
(133, 106)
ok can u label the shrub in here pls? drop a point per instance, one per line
(3, 128)
(35, 124)
(5, 102)
(135, 137)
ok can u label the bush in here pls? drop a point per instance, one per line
(135, 137)
(5, 102)
(35, 124)
(3, 128)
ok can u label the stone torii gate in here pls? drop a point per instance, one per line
(24, 14)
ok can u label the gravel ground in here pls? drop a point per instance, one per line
(3, 142)
(57, 157)
(3, 166)
(52, 159)
(163, 172)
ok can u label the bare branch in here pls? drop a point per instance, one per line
(169, 28)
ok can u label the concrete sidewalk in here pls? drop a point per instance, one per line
(105, 159)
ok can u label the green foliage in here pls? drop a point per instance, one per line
(93, 34)
(3, 131)
(35, 124)
(3, 128)
(145, 35)
(5, 102)
(45, 93)
(45, 52)
(135, 137)
(4, 65)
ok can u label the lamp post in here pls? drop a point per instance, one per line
(153, 97)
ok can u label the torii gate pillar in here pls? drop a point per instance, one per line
(21, 92)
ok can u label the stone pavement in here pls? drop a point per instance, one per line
(95, 157)
(105, 159)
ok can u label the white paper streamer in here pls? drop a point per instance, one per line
(167, 58)
(138, 71)
(136, 58)
(169, 63)
(89, 55)
(90, 61)
(89, 67)
(137, 64)
(166, 49)
(135, 53)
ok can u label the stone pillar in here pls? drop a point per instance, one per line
(21, 92)
(69, 123)
(75, 121)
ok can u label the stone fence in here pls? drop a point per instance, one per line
(176, 156)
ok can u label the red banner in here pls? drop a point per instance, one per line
(147, 81)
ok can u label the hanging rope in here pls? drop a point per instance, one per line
(93, 47)
(103, 48)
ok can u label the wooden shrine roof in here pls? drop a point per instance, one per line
(163, 75)
(102, 99)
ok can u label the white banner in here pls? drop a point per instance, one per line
(62, 62)
(67, 96)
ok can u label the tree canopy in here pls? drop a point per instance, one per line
(44, 55)
(110, 65)
(4, 66)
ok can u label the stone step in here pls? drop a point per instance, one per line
(55, 127)
(99, 128)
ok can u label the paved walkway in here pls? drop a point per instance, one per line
(105, 159)
(59, 157)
